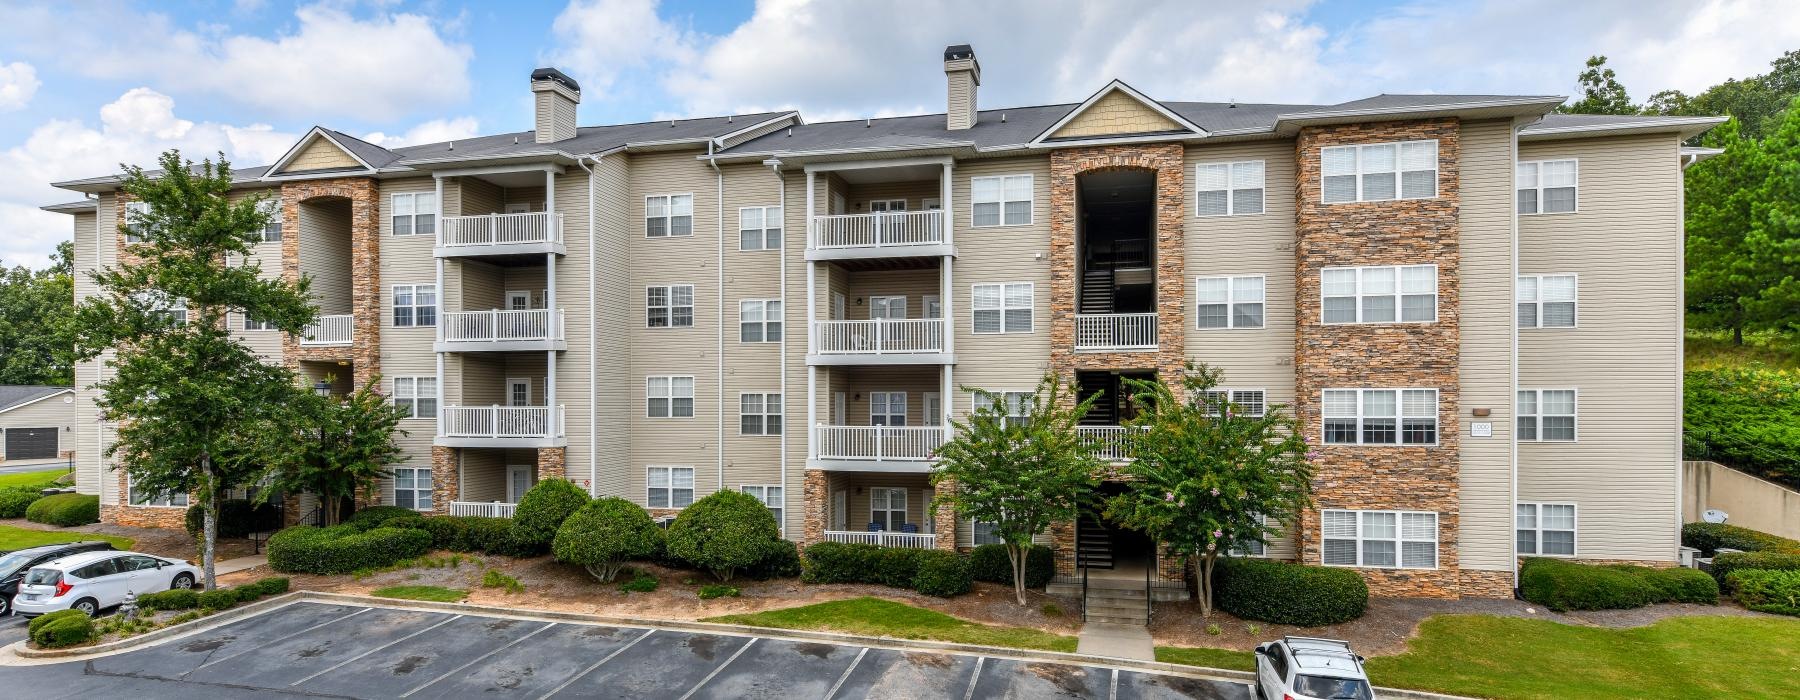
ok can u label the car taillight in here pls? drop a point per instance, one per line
(62, 588)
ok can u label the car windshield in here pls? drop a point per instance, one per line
(43, 577)
(1333, 688)
(10, 563)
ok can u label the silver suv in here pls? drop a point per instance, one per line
(1307, 668)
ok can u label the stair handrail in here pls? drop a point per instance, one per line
(1084, 586)
(1149, 605)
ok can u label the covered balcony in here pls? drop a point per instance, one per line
(329, 331)
(880, 336)
(1115, 332)
(886, 510)
(501, 330)
(498, 212)
(489, 483)
(880, 312)
(878, 209)
(501, 426)
(878, 443)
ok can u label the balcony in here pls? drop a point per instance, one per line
(902, 448)
(501, 426)
(880, 341)
(1115, 445)
(903, 540)
(501, 331)
(329, 331)
(878, 235)
(484, 509)
(1115, 332)
(533, 233)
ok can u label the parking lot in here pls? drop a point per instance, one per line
(324, 649)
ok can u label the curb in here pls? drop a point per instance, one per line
(19, 648)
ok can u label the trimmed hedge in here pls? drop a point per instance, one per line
(65, 510)
(384, 516)
(456, 533)
(989, 562)
(63, 628)
(1724, 564)
(342, 549)
(177, 599)
(218, 599)
(14, 501)
(1767, 591)
(604, 534)
(942, 574)
(273, 585)
(1288, 594)
(543, 509)
(780, 559)
(1709, 537)
(928, 571)
(237, 518)
(722, 533)
(1565, 585)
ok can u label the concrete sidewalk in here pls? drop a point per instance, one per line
(1117, 641)
(232, 566)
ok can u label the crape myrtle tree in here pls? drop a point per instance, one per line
(1021, 474)
(334, 447)
(1207, 476)
(185, 395)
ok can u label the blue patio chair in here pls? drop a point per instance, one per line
(909, 527)
(876, 527)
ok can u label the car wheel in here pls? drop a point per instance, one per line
(182, 581)
(87, 606)
(5, 605)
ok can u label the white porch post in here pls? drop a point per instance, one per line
(439, 330)
(812, 303)
(549, 301)
(947, 297)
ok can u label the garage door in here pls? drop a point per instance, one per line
(30, 443)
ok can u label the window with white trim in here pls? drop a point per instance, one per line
(271, 231)
(669, 487)
(668, 215)
(418, 395)
(887, 408)
(1547, 301)
(771, 498)
(1017, 404)
(1249, 402)
(1379, 171)
(759, 414)
(1229, 302)
(1545, 529)
(1388, 294)
(414, 213)
(1002, 308)
(1546, 415)
(1002, 200)
(670, 306)
(412, 488)
(759, 321)
(1250, 548)
(981, 533)
(172, 310)
(759, 228)
(139, 497)
(1228, 189)
(1548, 186)
(251, 323)
(670, 396)
(133, 210)
(415, 305)
(887, 508)
(1380, 416)
(1383, 539)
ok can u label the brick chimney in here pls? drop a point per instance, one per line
(964, 73)
(556, 96)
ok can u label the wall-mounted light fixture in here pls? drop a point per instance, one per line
(1482, 412)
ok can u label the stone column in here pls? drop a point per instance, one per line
(550, 463)
(446, 486)
(944, 518)
(1062, 544)
(815, 507)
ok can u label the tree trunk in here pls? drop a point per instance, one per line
(1737, 335)
(1206, 587)
(210, 507)
(1017, 554)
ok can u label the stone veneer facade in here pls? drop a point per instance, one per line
(364, 195)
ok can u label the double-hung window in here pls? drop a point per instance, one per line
(670, 397)
(412, 488)
(271, 231)
(670, 487)
(1229, 302)
(1545, 529)
(771, 498)
(1548, 186)
(670, 306)
(1003, 200)
(1547, 301)
(887, 509)
(1380, 416)
(1249, 402)
(1002, 308)
(1546, 415)
(668, 215)
(984, 533)
(142, 497)
(887, 408)
(1383, 539)
(1404, 294)
(759, 414)
(415, 214)
(1017, 404)
(418, 395)
(133, 210)
(251, 323)
(759, 228)
(1379, 171)
(1227, 189)
(759, 321)
(415, 305)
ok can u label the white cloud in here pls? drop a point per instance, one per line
(434, 131)
(602, 39)
(18, 82)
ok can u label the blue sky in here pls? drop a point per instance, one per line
(86, 85)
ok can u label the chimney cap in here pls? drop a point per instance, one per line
(556, 76)
(958, 52)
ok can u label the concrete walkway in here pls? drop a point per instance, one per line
(232, 566)
(1118, 641)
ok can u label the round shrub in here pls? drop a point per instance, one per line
(218, 599)
(1565, 585)
(723, 532)
(837, 562)
(63, 628)
(1709, 537)
(942, 574)
(781, 560)
(448, 532)
(13, 502)
(495, 536)
(1767, 591)
(343, 548)
(1724, 564)
(1288, 594)
(177, 599)
(543, 509)
(237, 518)
(604, 534)
(385, 516)
(989, 562)
(65, 510)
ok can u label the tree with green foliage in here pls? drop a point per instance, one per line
(1743, 232)
(334, 447)
(604, 534)
(1206, 475)
(1601, 92)
(1755, 102)
(723, 532)
(543, 509)
(1020, 474)
(186, 396)
(36, 315)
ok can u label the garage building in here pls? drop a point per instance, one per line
(38, 422)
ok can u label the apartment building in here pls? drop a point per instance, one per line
(1473, 306)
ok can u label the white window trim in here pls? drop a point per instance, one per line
(903, 510)
(780, 320)
(779, 228)
(669, 218)
(1399, 539)
(1231, 303)
(1232, 392)
(1539, 302)
(1400, 417)
(1031, 209)
(272, 207)
(394, 395)
(766, 415)
(1246, 554)
(167, 501)
(1538, 530)
(1399, 296)
(413, 291)
(1003, 308)
(128, 213)
(1437, 185)
(763, 490)
(1540, 186)
(435, 213)
(693, 479)
(393, 490)
(693, 307)
(1538, 415)
(888, 402)
(1230, 191)
(1005, 396)
(869, 205)
(692, 390)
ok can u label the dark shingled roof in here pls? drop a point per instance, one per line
(13, 395)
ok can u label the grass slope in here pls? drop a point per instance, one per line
(12, 538)
(437, 594)
(1210, 658)
(1706, 350)
(884, 618)
(43, 478)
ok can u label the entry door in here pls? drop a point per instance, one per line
(837, 408)
(934, 409)
(518, 300)
(518, 481)
(518, 208)
(837, 306)
(518, 392)
(840, 510)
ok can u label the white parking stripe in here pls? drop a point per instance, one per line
(590, 669)
(477, 660)
(846, 675)
(340, 664)
(1113, 692)
(715, 672)
(976, 678)
(273, 642)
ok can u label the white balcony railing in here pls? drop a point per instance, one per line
(879, 443)
(881, 336)
(1115, 331)
(493, 509)
(496, 326)
(329, 330)
(502, 421)
(1114, 443)
(500, 229)
(905, 540)
(882, 229)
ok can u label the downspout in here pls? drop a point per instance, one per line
(593, 386)
(781, 274)
(719, 230)
(1513, 454)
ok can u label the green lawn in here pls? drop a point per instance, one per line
(883, 618)
(438, 594)
(42, 478)
(1707, 350)
(1210, 658)
(12, 538)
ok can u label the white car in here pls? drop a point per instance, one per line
(93, 581)
(1306, 668)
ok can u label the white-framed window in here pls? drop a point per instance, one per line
(887, 408)
(1546, 415)
(1548, 186)
(669, 487)
(172, 310)
(1545, 529)
(1379, 171)
(251, 323)
(133, 210)
(668, 215)
(759, 414)
(1000, 200)
(1381, 539)
(1229, 302)
(418, 395)
(670, 396)
(412, 488)
(759, 321)
(669, 306)
(1388, 294)
(1228, 189)
(1002, 308)
(984, 533)
(771, 497)
(1249, 402)
(271, 231)
(1017, 403)
(414, 213)
(876, 205)
(139, 497)
(1547, 301)
(415, 305)
(1380, 416)
(759, 228)
(1250, 548)
(887, 508)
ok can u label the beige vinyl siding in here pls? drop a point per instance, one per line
(999, 254)
(1485, 317)
(482, 474)
(915, 192)
(609, 256)
(857, 485)
(857, 382)
(96, 249)
(532, 197)
(769, 128)
(1624, 358)
(325, 253)
(478, 197)
(54, 412)
(266, 257)
(915, 285)
(319, 155)
(572, 296)
(757, 367)
(407, 352)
